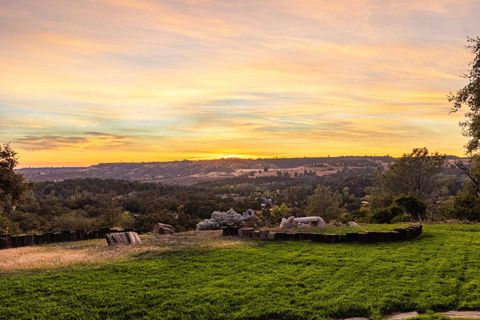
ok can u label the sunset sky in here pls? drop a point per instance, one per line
(83, 82)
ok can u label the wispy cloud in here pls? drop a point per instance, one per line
(156, 80)
(89, 141)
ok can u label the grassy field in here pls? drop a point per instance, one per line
(209, 277)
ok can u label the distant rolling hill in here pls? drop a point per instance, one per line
(190, 172)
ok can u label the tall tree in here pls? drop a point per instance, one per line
(416, 173)
(469, 97)
(12, 184)
(325, 203)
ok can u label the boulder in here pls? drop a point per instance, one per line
(122, 238)
(352, 224)
(288, 222)
(313, 221)
(162, 228)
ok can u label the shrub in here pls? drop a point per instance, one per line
(412, 206)
(7, 226)
(74, 220)
(145, 222)
(463, 206)
(386, 215)
(403, 209)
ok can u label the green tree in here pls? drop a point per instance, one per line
(325, 203)
(12, 184)
(416, 173)
(469, 97)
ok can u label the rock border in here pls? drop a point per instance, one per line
(399, 234)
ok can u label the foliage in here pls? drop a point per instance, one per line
(7, 226)
(385, 215)
(463, 206)
(12, 185)
(74, 220)
(325, 203)
(258, 280)
(469, 97)
(471, 169)
(277, 213)
(412, 206)
(145, 222)
(403, 208)
(416, 173)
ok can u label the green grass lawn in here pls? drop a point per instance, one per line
(261, 280)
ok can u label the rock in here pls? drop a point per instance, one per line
(162, 228)
(352, 224)
(313, 221)
(288, 222)
(123, 238)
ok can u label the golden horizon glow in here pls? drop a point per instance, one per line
(86, 82)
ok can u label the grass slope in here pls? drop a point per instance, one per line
(260, 280)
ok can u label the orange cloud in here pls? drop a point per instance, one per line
(198, 79)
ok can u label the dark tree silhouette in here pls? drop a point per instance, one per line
(12, 184)
(469, 97)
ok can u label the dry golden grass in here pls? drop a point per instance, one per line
(97, 251)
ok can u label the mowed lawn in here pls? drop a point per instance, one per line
(260, 280)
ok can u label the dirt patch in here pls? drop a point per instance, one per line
(462, 314)
(95, 251)
(403, 316)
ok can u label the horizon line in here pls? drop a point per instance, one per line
(222, 158)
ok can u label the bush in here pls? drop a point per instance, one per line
(74, 220)
(463, 206)
(386, 215)
(412, 206)
(403, 209)
(7, 226)
(145, 222)
(28, 221)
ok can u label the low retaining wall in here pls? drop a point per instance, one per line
(16, 241)
(401, 234)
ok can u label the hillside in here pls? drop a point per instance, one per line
(189, 172)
